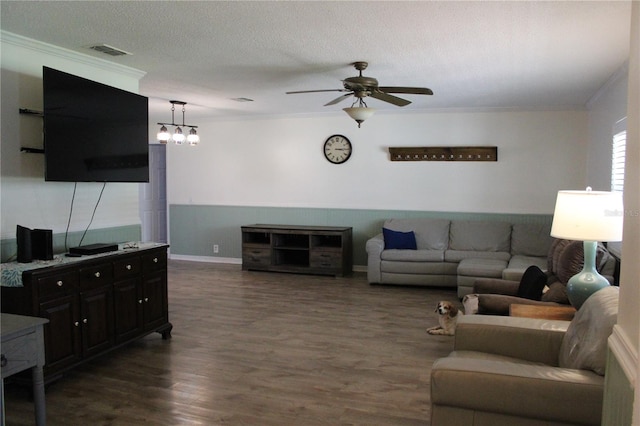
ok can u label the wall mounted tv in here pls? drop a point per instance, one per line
(93, 132)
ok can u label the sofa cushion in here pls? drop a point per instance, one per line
(584, 346)
(480, 236)
(399, 240)
(413, 255)
(556, 293)
(531, 239)
(519, 263)
(459, 255)
(490, 268)
(431, 234)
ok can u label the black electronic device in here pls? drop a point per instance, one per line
(90, 249)
(93, 132)
(34, 244)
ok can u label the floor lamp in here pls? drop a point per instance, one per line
(588, 216)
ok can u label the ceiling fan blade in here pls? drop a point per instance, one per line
(314, 91)
(408, 90)
(389, 98)
(339, 99)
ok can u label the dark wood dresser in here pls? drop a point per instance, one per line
(94, 304)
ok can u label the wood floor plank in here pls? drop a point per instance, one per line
(257, 348)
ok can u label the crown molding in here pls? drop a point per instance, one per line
(67, 54)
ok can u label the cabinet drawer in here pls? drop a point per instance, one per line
(127, 268)
(325, 259)
(57, 285)
(96, 276)
(156, 261)
(19, 353)
(256, 257)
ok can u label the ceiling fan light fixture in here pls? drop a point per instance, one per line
(359, 114)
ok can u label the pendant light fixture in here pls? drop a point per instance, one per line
(178, 136)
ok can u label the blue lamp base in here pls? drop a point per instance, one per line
(588, 281)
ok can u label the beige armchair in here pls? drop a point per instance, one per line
(522, 371)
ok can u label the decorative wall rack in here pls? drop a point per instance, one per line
(444, 153)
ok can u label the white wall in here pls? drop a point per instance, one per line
(26, 198)
(607, 107)
(279, 162)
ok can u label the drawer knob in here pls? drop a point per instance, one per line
(146, 299)
(155, 260)
(128, 267)
(84, 321)
(3, 361)
(59, 283)
(76, 323)
(97, 274)
(140, 301)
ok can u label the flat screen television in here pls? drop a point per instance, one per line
(93, 132)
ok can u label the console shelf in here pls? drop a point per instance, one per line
(322, 250)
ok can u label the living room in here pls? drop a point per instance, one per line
(270, 169)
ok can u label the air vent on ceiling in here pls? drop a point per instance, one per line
(109, 50)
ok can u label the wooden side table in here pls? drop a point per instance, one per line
(564, 313)
(23, 348)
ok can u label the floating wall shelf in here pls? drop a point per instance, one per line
(445, 153)
(33, 112)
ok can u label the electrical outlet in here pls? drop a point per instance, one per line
(216, 249)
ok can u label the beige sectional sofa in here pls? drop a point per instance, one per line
(454, 253)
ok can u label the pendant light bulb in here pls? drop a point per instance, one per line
(178, 137)
(193, 137)
(163, 135)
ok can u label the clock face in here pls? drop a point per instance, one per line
(337, 149)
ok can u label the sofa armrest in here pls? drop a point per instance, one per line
(533, 340)
(495, 286)
(374, 248)
(498, 304)
(537, 392)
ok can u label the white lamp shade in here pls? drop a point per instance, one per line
(359, 113)
(588, 216)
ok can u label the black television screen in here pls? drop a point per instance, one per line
(93, 132)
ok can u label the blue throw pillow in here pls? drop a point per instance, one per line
(399, 240)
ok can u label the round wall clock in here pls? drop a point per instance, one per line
(337, 149)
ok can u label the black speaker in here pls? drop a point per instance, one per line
(42, 244)
(34, 244)
(23, 239)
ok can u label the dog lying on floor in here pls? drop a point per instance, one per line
(448, 315)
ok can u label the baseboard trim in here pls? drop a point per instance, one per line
(207, 259)
(625, 353)
(233, 260)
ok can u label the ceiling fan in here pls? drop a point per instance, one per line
(361, 86)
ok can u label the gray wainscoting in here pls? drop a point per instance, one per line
(194, 229)
(618, 395)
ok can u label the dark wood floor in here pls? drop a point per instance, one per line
(257, 348)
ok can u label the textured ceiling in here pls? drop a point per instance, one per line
(480, 54)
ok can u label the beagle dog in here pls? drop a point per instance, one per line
(448, 315)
